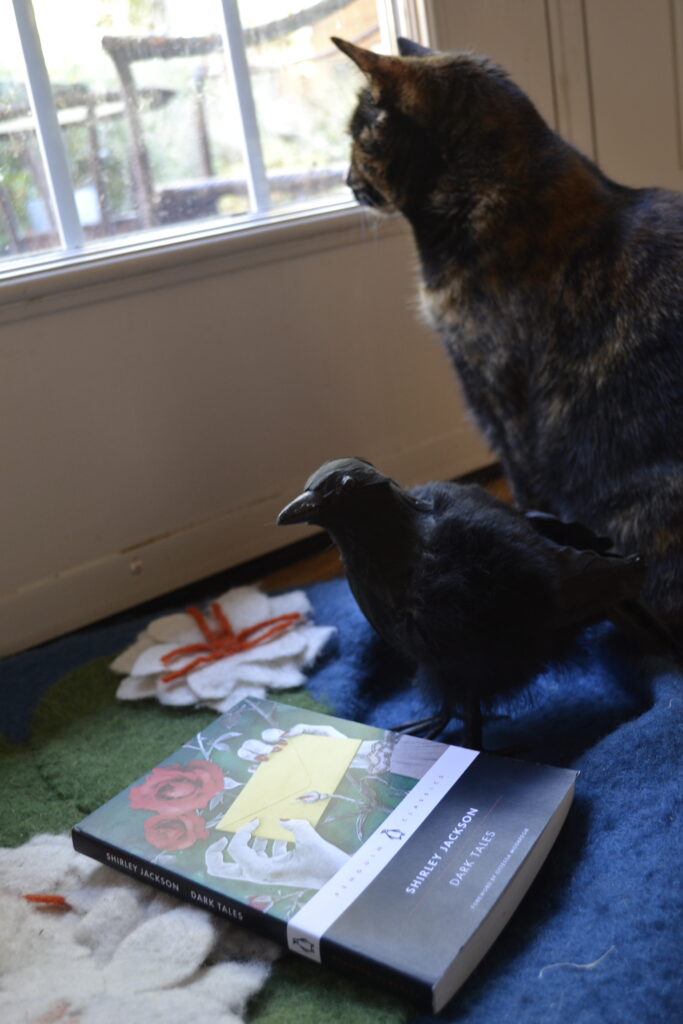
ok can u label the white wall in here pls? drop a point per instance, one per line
(151, 426)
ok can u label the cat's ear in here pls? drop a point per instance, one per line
(391, 79)
(408, 48)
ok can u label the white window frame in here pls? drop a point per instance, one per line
(254, 236)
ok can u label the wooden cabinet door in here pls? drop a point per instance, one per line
(635, 61)
(515, 34)
(607, 74)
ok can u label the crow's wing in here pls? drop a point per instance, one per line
(590, 584)
(574, 534)
(591, 576)
(596, 581)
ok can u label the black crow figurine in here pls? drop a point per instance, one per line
(477, 593)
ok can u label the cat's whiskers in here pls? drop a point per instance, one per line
(370, 223)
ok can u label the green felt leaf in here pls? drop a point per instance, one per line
(27, 804)
(89, 746)
(85, 747)
(297, 990)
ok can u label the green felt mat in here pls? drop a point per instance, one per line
(85, 747)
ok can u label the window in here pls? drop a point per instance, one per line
(133, 120)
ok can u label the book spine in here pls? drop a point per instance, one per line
(350, 962)
(161, 877)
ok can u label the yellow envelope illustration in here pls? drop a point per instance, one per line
(308, 764)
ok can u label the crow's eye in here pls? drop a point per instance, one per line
(346, 483)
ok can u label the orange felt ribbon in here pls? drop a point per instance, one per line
(47, 899)
(223, 641)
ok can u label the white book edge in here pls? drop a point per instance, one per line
(474, 950)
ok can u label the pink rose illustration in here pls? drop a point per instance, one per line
(260, 902)
(168, 832)
(174, 789)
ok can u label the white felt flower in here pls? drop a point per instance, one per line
(121, 952)
(246, 644)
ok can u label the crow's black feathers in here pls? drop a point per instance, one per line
(475, 592)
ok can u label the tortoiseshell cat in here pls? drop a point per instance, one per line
(557, 292)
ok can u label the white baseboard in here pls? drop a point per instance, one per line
(69, 600)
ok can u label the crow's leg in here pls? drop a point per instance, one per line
(472, 722)
(428, 727)
(431, 726)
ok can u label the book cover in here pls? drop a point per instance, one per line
(395, 857)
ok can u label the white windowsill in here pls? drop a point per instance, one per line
(157, 260)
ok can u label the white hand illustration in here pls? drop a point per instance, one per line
(311, 863)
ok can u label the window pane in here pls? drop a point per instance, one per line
(157, 140)
(154, 112)
(27, 222)
(303, 89)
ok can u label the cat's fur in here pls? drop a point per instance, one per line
(557, 292)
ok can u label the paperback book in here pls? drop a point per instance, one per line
(397, 858)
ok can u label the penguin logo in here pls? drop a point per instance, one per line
(393, 833)
(303, 944)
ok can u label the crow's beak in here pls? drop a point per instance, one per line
(303, 509)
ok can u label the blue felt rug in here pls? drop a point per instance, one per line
(599, 937)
